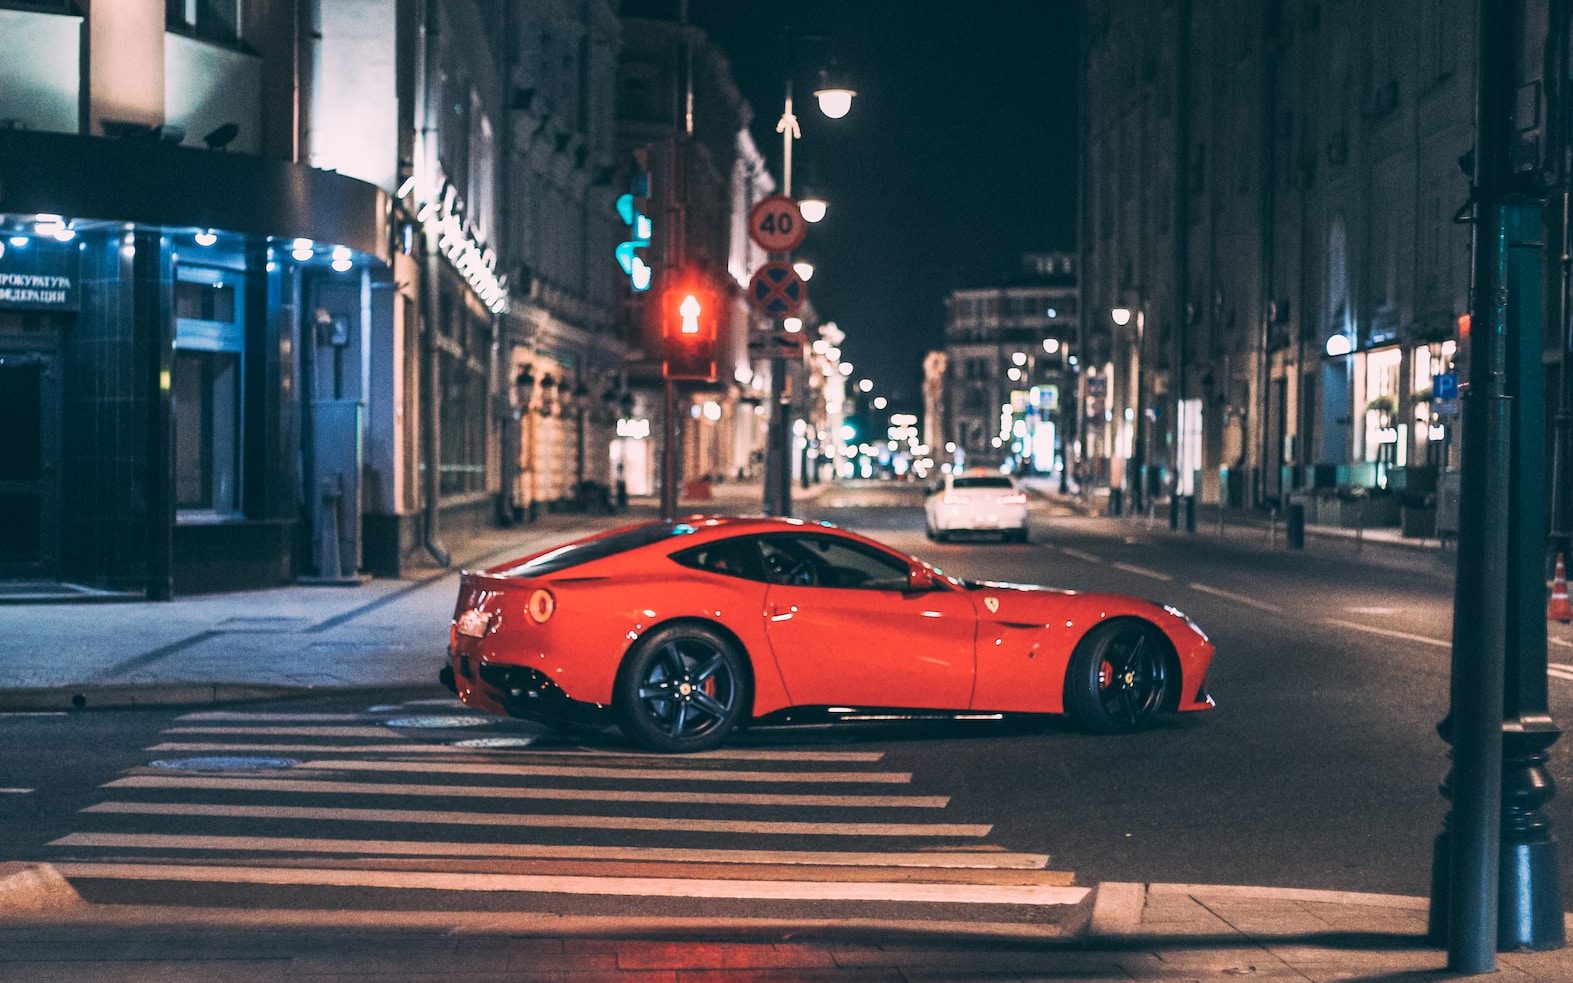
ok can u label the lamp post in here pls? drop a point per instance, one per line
(835, 101)
(1137, 462)
(524, 390)
(581, 404)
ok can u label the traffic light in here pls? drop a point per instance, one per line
(630, 208)
(690, 314)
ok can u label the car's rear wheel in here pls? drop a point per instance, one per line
(685, 688)
(1118, 679)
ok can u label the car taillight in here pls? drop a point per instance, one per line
(542, 604)
(951, 498)
(1016, 499)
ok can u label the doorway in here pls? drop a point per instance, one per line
(29, 466)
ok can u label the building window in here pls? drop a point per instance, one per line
(463, 409)
(216, 20)
(206, 389)
(207, 427)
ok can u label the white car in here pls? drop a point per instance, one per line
(977, 502)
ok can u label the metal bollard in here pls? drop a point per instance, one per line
(1272, 526)
(1294, 527)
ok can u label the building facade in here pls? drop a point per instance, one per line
(1272, 270)
(1012, 371)
(563, 178)
(267, 285)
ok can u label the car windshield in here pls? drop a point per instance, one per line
(981, 483)
(575, 554)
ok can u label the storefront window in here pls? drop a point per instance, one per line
(206, 389)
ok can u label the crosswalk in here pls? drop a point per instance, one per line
(402, 808)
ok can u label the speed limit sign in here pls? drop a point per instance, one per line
(776, 224)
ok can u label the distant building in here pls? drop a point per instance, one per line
(1268, 194)
(1012, 370)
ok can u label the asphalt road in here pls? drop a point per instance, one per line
(1319, 769)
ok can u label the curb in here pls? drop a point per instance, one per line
(54, 698)
(1117, 907)
(35, 887)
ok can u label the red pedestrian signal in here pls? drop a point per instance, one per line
(690, 314)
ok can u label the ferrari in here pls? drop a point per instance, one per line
(682, 632)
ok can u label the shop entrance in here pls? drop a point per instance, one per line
(29, 465)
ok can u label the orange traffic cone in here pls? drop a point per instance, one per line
(1559, 609)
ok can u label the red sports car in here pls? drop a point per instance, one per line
(680, 632)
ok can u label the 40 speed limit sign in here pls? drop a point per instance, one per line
(776, 224)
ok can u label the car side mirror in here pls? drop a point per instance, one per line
(920, 578)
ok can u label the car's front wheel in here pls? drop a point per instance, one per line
(685, 688)
(1118, 679)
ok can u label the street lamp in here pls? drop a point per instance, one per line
(865, 385)
(813, 207)
(834, 94)
(1121, 316)
(835, 101)
(804, 269)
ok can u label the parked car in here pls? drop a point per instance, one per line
(977, 502)
(680, 632)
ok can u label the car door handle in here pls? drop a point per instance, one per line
(776, 614)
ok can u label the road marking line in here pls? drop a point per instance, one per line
(513, 753)
(383, 732)
(15, 791)
(1562, 642)
(969, 860)
(513, 820)
(1141, 571)
(1236, 598)
(1079, 555)
(299, 785)
(34, 713)
(232, 715)
(1564, 676)
(633, 774)
(1561, 665)
(1390, 633)
(1371, 610)
(648, 887)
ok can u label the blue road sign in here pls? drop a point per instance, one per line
(1444, 386)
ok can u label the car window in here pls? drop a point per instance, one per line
(598, 549)
(981, 483)
(736, 557)
(830, 561)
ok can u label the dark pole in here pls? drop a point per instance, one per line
(1559, 100)
(782, 439)
(1466, 862)
(676, 245)
(1178, 510)
(1529, 895)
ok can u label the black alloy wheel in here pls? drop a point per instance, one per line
(1118, 679)
(684, 688)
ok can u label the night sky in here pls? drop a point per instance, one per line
(959, 153)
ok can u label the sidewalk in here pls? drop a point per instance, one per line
(1126, 932)
(1257, 530)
